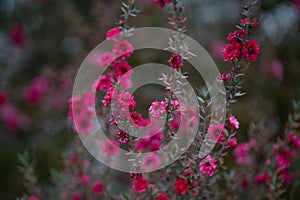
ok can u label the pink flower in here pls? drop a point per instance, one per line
(122, 49)
(17, 35)
(158, 108)
(163, 196)
(85, 179)
(232, 142)
(3, 98)
(125, 101)
(33, 197)
(250, 50)
(104, 82)
(261, 178)
(74, 159)
(98, 188)
(293, 139)
(108, 96)
(283, 160)
(216, 132)
(232, 51)
(208, 166)
(136, 118)
(34, 93)
(85, 163)
(106, 59)
(113, 33)
(123, 137)
(246, 21)
(175, 61)
(241, 152)
(233, 122)
(76, 196)
(224, 77)
(151, 161)
(121, 68)
(140, 184)
(181, 186)
(83, 123)
(287, 177)
(162, 3)
(110, 148)
(236, 36)
(12, 118)
(277, 69)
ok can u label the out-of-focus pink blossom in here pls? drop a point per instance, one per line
(261, 178)
(151, 161)
(98, 188)
(292, 138)
(13, 119)
(33, 197)
(242, 156)
(3, 98)
(283, 160)
(85, 179)
(106, 59)
(110, 148)
(34, 93)
(17, 35)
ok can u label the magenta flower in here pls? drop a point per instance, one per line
(107, 59)
(175, 61)
(163, 196)
(208, 166)
(233, 122)
(216, 132)
(140, 184)
(250, 50)
(110, 148)
(242, 156)
(261, 178)
(181, 186)
(151, 161)
(236, 36)
(158, 108)
(232, 51)
(104, 82)
(113, 33)
(122, 49)
(121, 68)
(283, 160)
(98, 187)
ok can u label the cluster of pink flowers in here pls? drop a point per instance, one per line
(239, 46)
(208, 166)
(157, 109)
